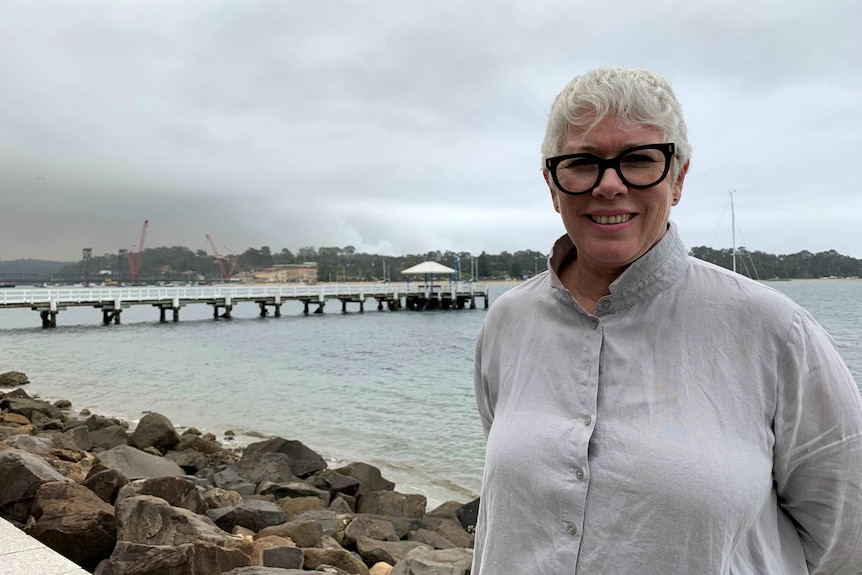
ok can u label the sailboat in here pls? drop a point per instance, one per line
(733, 227)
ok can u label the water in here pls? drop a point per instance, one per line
(391, 389)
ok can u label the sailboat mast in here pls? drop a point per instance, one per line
(733, 225)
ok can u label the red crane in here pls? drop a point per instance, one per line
(226, 274)
(135, 257)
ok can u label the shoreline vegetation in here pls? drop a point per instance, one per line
(345, 264)
(154, 499)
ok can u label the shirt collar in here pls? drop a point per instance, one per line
(646, 277)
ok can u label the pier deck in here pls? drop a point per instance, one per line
(112, 300)
(22, 555)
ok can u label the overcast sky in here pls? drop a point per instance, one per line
(402, 127)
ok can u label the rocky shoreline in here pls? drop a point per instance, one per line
(153, 501)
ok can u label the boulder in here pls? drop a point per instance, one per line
(106, 484)
(431, 538)
(14, 419)
(364, 526)
(275, 551)
(340, 558)
(392, 503)
(451, 530)
(426, 561)
(368, 476)
(177, 491)
(22, 474)
(190, 460)
(72, 520)
(254, 515)
(96, 422)
(218, 497)
(31, 444)
(295, 489)
(373, 551)
(200, 444)
(468, 514)
(32, 409)
(267, 467)
(303, 461)
(294, 506)
(13, 379)
(380, 569)
(135, 464)
(343, 504)
(334, 482)
(303, 533)
(75, 438)
(226, 477)
(199, 558)
(327, 519)
(257, 570)
(148, 520)
(154, 430)
(109, 437)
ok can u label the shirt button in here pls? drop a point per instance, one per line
(588, 421)
(579, 473)
(605, 305)
(571, 529)
(594, 323)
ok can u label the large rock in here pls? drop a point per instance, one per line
(267, 467)
(73, 521)
(303, 461)
(340, 558)
(393, 504)
(13, 379)
(218, 497)
(295, 489)
(30, 408)
(154, 430)
(368, 476)
(109, 437)
(273, 551)
(431, 538)
(468, 514)
(148, 520)
(426, 561)
(295, 506)
(335, 483)
(451, 530)
(304, 533)
(374, 551)
(368, 527)
(200, 444)
(190, 460)
(31, 444)
(135, 464)
(21, 475)
(257, 570)
(199, 558)
(106, 483)
(254, 515)
(178, 491)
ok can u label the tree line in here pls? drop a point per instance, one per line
(335, 264)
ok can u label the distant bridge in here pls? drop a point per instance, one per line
(113, 300)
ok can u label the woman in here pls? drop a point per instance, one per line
(647, 412)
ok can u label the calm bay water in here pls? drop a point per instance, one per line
(391, 389)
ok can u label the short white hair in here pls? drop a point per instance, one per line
(635, 97)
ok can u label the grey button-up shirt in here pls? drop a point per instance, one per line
(698, 423)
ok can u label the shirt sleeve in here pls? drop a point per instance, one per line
(818, 449)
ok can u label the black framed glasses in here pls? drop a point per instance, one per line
(639, 167)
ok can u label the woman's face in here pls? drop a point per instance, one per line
(614, 225)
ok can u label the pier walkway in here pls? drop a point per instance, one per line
(48, 302)
(22, 555)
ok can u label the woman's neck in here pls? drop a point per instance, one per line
(588, 285)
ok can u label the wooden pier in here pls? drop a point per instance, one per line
(49, 302)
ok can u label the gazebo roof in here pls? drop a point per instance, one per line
(428, 268)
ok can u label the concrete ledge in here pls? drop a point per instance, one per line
(22, 555)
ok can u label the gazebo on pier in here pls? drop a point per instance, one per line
(442, 297)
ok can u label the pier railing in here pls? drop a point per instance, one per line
(112, 300)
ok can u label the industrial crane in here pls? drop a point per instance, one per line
(135, 257)
(226, 274)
